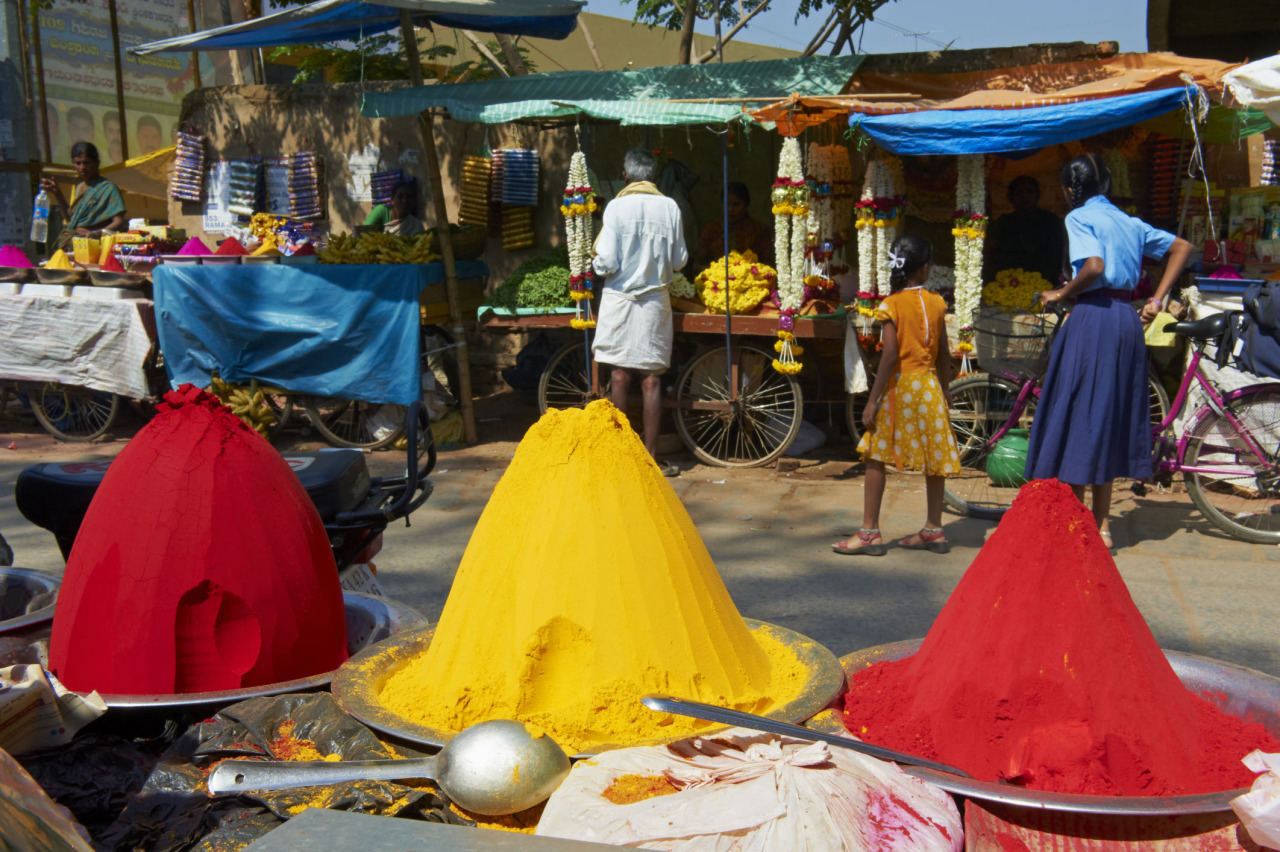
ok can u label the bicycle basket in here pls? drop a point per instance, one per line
(1012, 343)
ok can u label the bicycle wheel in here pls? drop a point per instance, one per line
(980, 405)
(73, 413)
(1157, 400)
(565, 382)
(349, 423)
(750, 431)
(853, 414)
(1238, 492)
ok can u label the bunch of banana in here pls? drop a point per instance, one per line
(421, 246)
(249, 403)
(379, 248)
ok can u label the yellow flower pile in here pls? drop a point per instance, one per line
(750, 283)
(1015, 288)
(266, 227)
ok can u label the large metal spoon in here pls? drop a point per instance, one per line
(711, 713)
(492, 768)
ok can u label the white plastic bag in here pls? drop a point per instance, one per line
(750, 792)
(1259, 809)
(855, 366)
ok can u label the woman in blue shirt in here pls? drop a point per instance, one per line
(1093, 422)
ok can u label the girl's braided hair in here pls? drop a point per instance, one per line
(915, 252)
(1085, 177)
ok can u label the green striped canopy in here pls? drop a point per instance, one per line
(630, 97)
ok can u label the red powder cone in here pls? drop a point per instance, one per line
(201, 565)
(1041, 670)
(111, 264)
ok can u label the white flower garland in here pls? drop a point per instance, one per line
(877, 224)
(791, 213)
(970, 233)
(577, 206)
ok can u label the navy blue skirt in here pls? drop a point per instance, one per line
(1093, 423)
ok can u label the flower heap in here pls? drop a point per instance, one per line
(878, 214)
(824, 257)
(578, 205)
(269, 229)
(742, 281)
(970, 230)
(790, 234)
(1015, 288)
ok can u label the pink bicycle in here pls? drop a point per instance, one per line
(1228, 450)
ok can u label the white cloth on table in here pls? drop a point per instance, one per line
(90, 343)
(640, 246)
(634, 332)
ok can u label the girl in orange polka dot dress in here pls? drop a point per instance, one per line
(906, 416)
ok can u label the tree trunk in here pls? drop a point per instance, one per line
(686, 32)
(513, 56)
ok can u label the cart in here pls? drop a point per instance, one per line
(730, 407)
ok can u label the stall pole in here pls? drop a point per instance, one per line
(195, 57)
(730, 366)
(115, 51)
(442, 233)
(38, 49)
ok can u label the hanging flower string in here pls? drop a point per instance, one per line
(877, 215)
(970, 229)
(578, 206)
(821, 242)
(791, 232)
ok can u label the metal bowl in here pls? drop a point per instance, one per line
(16, 274)
(358, 682)
(1245, 693)
(20, 590)
(370, 619)
(61, 276)
(118, 279)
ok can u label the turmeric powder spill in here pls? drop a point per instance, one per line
(584, 587)
(629, 789)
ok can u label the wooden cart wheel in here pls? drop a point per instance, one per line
(349, 423)
(565, 382)
(72, 413)
(752, 430)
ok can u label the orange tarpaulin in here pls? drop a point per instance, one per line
(1002, 88)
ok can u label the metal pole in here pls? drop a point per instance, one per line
(728, 303)
(115, 51)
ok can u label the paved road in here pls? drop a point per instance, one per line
(769, 534)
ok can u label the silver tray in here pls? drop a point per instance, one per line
(1242, 692)
(16, 274)
(24, 582)
(357, 683)
(370, 619)
(118, 279)
(61, 276)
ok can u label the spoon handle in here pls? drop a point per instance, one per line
(711, 713)
(237, 776)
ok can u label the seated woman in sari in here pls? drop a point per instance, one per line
(96, 204)
(399, 215)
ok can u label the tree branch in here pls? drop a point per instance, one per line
(513, 56)
(824, 33)
(591, 45)
(484, 51)
(742, 22)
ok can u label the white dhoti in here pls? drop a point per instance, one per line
(634, 332)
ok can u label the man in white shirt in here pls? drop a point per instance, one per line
(640, 246)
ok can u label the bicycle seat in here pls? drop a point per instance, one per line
(1209, 328)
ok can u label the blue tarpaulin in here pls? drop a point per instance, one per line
(995, 131)
(349, 332)
(336, 20)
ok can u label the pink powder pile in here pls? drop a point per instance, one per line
(13, 257)
(194, 246)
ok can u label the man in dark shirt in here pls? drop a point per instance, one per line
(1029, 238)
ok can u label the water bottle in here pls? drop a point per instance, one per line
(40, 218)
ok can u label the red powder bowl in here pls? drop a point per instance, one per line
(201, 566)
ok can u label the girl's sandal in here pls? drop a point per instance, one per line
(1106, 539)
(869, 544)
(929, 538)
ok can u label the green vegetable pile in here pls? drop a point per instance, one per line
(541, 282)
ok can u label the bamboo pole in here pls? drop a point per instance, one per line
(442, 234)
(195, 57)
(115, 51)
(44, 103)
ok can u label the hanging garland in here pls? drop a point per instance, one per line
(969, 229)
(824, 259)
(790, 218)
(577, 206)
(878, 214)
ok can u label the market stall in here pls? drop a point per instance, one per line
(611, 112)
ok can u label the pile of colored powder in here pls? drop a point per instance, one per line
(304, 250)
(59, 261)
(584, 587)
(231, 247)
(12, 257)
(629, 789)
(1040, 670)
(193, 246)
(111, 264)
(201, 565)
(266, 250)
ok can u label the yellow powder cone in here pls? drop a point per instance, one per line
(585, 586)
